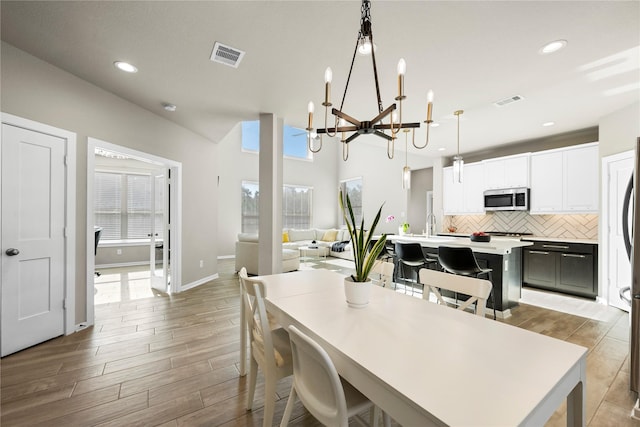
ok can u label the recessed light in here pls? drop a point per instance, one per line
(169, 107)
(441, 149)
(553, 46)
(435, 124)
(547, 124)
(125, 66)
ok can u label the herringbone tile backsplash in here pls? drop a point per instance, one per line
(566, 226)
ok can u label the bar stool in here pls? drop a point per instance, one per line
(411, 255)
(462, 261)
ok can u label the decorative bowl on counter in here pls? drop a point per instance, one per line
(480, 237)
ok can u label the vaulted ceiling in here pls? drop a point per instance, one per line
(471, 54)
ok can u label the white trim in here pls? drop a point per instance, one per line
(122, 264)
(226, 256)
(176, 211)
(603, 228)
(70, 209)
(200, 282)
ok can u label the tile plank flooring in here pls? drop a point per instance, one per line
(173, 361)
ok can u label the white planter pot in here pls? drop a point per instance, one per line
(357, 293)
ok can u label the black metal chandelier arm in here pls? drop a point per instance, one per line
(351, 138)
(383, 135)
(384, 113)
(337, 129)
(397, 126)
(346, 117)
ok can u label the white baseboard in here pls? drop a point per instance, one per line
(198, 282)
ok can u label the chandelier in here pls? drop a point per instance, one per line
(349, 127)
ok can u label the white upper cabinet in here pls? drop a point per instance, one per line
(473, 188)
(565, 180)
(581, 175)
(466, 197)
(546, 182)
(451, 193)
(507, 172)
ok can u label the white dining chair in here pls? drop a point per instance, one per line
(270, 349)
(478, 290)
(327, 396)
(384, 272)
(244, 344)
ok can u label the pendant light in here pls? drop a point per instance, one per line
(406, 170)
(458, 163)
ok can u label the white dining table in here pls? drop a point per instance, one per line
(426, 364)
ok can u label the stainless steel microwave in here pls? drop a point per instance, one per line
(508, 199)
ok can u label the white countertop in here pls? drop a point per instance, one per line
(529, 238)
(497, 245)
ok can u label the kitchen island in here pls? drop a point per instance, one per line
(502, 254)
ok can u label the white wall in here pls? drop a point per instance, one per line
(38, 91)
(381, 179)
(618, 131)
(236, 166)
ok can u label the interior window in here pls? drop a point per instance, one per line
(294, 140)
(296, 206)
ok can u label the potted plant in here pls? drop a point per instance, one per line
(404, 228)
(358, 286)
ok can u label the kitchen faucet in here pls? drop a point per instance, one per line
(431, 224)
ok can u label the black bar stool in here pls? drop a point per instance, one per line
(411, 255)
(462, 261)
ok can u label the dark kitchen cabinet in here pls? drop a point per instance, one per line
(564, 267)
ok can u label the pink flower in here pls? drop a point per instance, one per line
(391, 218)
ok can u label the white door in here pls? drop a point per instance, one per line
(33, 243)
(159, 248)
(619, 267)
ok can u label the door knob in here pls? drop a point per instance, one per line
(12, 251)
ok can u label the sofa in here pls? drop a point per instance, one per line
(247, 255)
(324, 239)
(292, 240)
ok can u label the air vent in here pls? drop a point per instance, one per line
(508, 101)
(226, 55)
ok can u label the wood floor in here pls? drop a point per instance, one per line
(173, 361)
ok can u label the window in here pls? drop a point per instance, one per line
(250, 207)
(353, 188)
(296, 206)
(294, 143)
(122, 206)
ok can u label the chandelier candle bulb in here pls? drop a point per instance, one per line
(328, 76)
(310, 108)
(429, 106)
(402, 69)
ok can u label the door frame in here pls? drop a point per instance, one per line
(175, 207)
(70, 210)
(604, 221)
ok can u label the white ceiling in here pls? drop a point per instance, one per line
(470, 53)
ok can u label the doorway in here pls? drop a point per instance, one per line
(616, 269)
(148, 219)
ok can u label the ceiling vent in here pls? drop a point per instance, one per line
(226, 55)
(508, 101)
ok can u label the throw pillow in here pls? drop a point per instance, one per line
(285, 237)
(330, 236)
